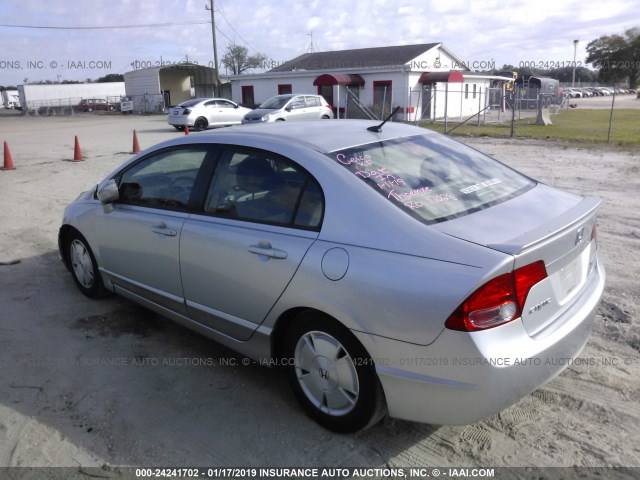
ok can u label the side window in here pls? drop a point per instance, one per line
(297, 102)
(224, 104)
(312, 101)
(210, 103)
(164, 180)
(260, 187)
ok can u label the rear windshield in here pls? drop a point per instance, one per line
(433, 177)
(190, 103)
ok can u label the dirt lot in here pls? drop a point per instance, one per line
(70, 394)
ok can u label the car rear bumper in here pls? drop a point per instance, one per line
(463, 377)
(180, 120)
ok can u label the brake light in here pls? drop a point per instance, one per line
(186, 111)
(498, 301)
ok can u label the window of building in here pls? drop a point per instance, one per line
(284, 89)
(466, 91)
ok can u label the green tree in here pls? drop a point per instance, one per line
(238, 60)
(617, 57)
(111, 77)
(565, 74)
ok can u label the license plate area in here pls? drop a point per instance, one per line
(570, 277)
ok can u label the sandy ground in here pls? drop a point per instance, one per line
(71, 395)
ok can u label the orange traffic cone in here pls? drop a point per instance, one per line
(186, 129)
(136, 145)
(8, 161)
(77, 153)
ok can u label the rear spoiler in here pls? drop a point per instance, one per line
(568, 220)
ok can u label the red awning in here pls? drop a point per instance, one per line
(348, 79)
(432, 77)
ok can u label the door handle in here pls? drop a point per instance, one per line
(268, 251)
(163, 230)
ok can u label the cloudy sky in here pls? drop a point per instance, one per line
(482, 33)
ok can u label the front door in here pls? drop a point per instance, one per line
(140, 239)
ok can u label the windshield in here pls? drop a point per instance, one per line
(275, 103)
(433, 177)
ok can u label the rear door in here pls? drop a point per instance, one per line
(260, 216)
(297, 109)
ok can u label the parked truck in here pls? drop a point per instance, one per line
(10, 99)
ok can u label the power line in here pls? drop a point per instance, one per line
(236, 32)
(107, 27)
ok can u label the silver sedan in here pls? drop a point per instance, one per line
(388, 271)
(202, 113)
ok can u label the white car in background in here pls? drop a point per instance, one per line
(202, 113)
(290, 107)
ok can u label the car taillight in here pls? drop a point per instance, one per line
(186, 111)
(498, 301)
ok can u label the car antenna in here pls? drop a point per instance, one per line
(378, 128)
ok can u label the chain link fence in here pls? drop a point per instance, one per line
(139, 104)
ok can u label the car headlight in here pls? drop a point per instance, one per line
(265, 118)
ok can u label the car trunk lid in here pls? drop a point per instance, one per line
(542, 224)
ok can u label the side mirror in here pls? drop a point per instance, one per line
(289, 108)
(107, 194)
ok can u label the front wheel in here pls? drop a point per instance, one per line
(84, 267)
(332, 375)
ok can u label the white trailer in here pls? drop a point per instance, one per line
(10, 99)
(68, 95)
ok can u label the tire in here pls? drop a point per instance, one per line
(111, 108)
(179, 127)
(325, 117)
(200, 124)
(83, 265)
(89, 109)
(331, 374)
(280, 120)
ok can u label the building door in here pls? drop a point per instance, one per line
(247, 96)
(426, 101)
(327, 92)
(382, 97)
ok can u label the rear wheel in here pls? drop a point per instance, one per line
(325, 117)
(200, 123)
(84, 267)
(332, 375)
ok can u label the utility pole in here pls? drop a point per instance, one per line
(573, 78)
(215, 48)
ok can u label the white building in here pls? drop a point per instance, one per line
(426, 81)
(153, 89)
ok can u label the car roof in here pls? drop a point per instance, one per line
(321, 135)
